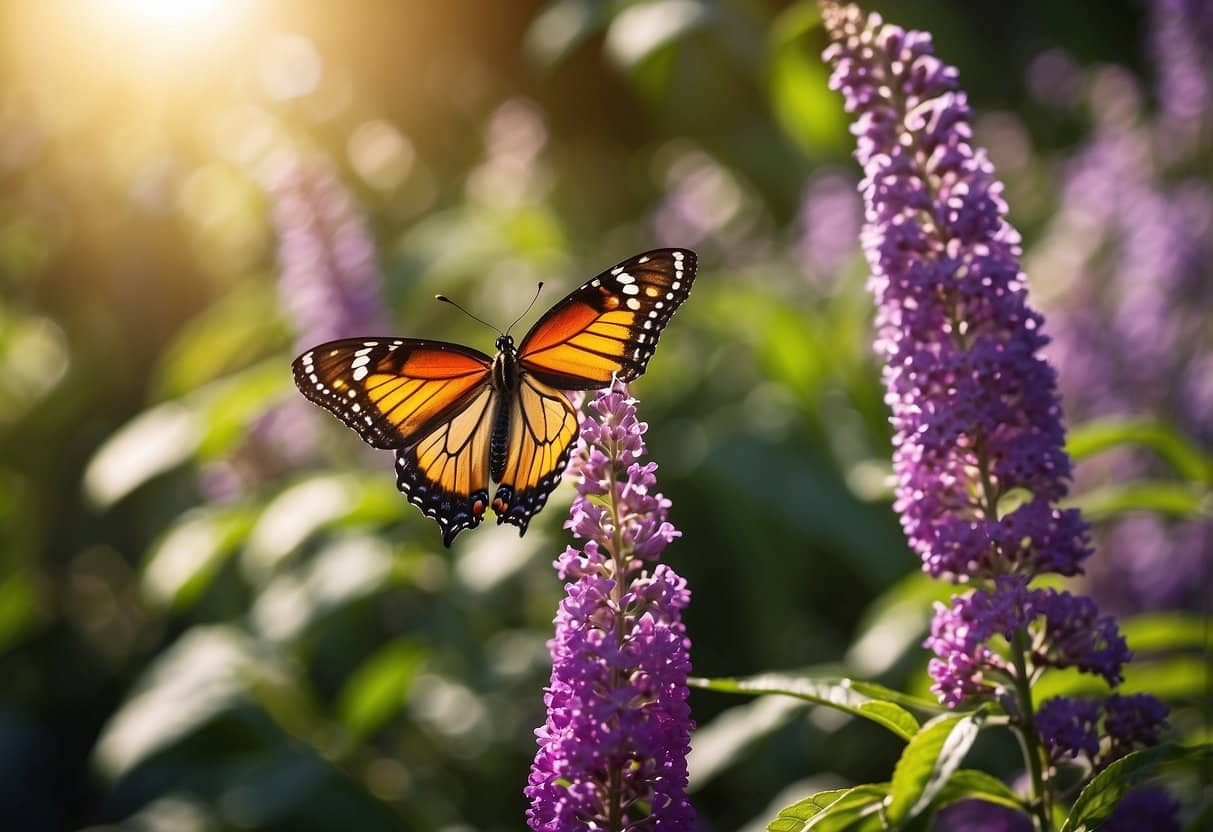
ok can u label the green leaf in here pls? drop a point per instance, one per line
(642, 29)
(928, 762)
(242, 326)
(831, 692)
(1155, 632)
(378, 688)
(1099, 798)
(561, 27)
(833, 811)
(884, 694)
(723, 741)
(809, 113)
(21, 608)
(152, 443)
(182, 563)
(1161, 496)
(792, 817)
(1185, 457)
(971, 783)
(893, 626)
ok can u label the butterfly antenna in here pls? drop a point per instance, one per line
(445, 299)
(538, 289)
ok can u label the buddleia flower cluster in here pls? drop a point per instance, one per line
(979, 453)
(612, 754)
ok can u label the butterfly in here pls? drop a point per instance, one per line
(458, 418)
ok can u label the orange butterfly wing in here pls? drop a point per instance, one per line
(542, 430)
(446, 473)
(431, 401)
(610, 325)
(391, 391)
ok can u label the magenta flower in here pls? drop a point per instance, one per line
(612, 754)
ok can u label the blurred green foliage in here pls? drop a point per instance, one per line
(297, 651)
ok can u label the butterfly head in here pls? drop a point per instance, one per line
(505, 344)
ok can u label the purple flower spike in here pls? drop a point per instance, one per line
(975, 407)
(330, 282)
(612, 754)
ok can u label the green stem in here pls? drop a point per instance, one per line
(1028, 737)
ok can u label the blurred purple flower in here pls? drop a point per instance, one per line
(831, 215)
(975, 406)
(1128, 249)
(972, 814)
(329, 286)
(329, 278)
(1145, 808)
(1182, 48)
(612, 754)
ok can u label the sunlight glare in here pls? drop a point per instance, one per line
(166, 13)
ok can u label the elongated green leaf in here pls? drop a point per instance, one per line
(1096, 437)
(797, 86)
(1154, 632)
(893, 626)
(723, 741)
(834, 693)
(791, 818)
(929, 761)
(153, 442)
(378, 687)
(1102, 794)
(970, 783)
(1170, 498)
(884, 694)
(185, 559)
(832, 811)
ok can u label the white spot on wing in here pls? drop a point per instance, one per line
(633, 304)
(360, 373)
(631, 289)
(626, 278)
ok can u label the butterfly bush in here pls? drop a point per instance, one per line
(978, 449)
(612, 754)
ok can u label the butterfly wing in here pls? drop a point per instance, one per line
(446, 473)
(542, 430)
(432, 401)
(610, 325)
(392, 391)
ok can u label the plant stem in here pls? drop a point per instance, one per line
(1028, 740)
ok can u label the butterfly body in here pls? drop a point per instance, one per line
(460, 420)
